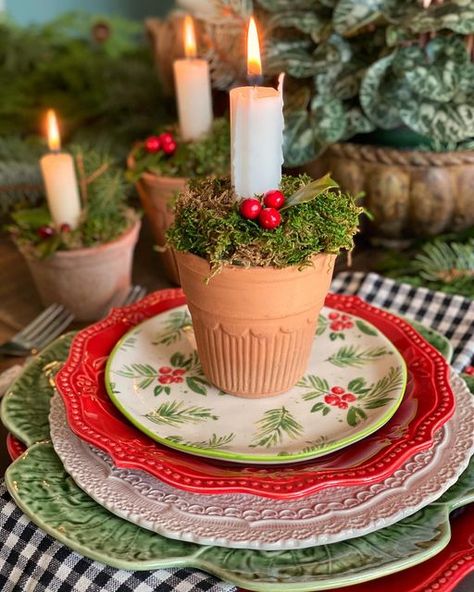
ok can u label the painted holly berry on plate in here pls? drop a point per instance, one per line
(354, 383)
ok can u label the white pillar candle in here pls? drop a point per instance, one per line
(193, 89)
(59, 175)
(256, 118)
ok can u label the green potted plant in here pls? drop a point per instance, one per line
(256, 273)
(87, 268)
(161, 165)
(386, 89)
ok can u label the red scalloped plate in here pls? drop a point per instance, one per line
(15, 448)
(427, 405)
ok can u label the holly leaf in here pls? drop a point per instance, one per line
(310, 191)
(355, 415)
(317, 407)
(358, 386)
(196, 385)
(365, 328)
(178, 360)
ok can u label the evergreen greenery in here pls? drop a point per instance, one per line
(207, 156)
(208, 224)
(107, 83)
(105, 214)
(441, 264)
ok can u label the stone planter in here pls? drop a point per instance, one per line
(254, 327)
(411, 193)
(87, 281)
(156, 194)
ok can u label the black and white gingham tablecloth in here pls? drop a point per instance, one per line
(31, 561)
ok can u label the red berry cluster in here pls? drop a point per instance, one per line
(339, 321)
(45, 232)
(339, 398)
(268, 217)
(168, 375)
(164, 142)
(469, 370)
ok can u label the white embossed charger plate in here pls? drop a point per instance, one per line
(246, 521)
(354, 383)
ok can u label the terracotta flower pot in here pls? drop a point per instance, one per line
(87, 281)
(156, 194)
(411, 193)
(254, 326)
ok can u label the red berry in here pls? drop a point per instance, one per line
(65, 228)
(349, 397)
(342, 405)
(165, 370)
(337, 326)
(269, 218)
(45, 231)
(332, 399)
(178, 379)
(333, 316)
(165, 379)
(179, 372)
(250, 208)
(345, 318)
(274, 199)
(166, 138)
(337, 390)
(153, 144)
(169, 148)
(469, 370)
(348, 325)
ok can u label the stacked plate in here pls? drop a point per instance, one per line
(348, 477)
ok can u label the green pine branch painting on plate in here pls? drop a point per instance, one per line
(274, 426)
(174, 413)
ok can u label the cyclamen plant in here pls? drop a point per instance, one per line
(357, 66)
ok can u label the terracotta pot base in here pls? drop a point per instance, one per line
(254, 328)
(87, 281)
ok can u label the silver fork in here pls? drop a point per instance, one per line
(42, 330)
(135, 293)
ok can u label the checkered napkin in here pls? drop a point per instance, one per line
(32, 561)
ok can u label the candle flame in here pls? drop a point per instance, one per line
(254, 63)
(54, 139)
(189, 37)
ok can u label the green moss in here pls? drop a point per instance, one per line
(208, 156)
(208, 224)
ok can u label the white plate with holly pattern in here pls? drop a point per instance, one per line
(354, 383)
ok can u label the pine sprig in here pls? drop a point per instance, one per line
(274, 425)
(215, 442)
(439, 261)
(174, 413)
(319, 386)
(175, 324)
(351, 356)
(144, 373)
(383, 387)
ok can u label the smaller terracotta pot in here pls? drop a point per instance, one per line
(156, 194)
(254, 327)
(87, 281)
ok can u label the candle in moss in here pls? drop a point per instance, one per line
(59, 175)
(256, 117)
(193, 89)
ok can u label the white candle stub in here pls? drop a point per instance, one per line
(193, 88)
(257, 138)
(59, 175)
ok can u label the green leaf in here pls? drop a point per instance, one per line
(299, 139)
(357, 386)
(350, 16)
(326, 410)
(317, 407)
(196, 385)
(355, 415)
(322, 325)
(32, 218)
(330, 115)
(178, 360)
(311, 191)
(367, 329)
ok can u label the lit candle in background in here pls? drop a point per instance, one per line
(256, 117)
(193, 88)
(60, 180)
